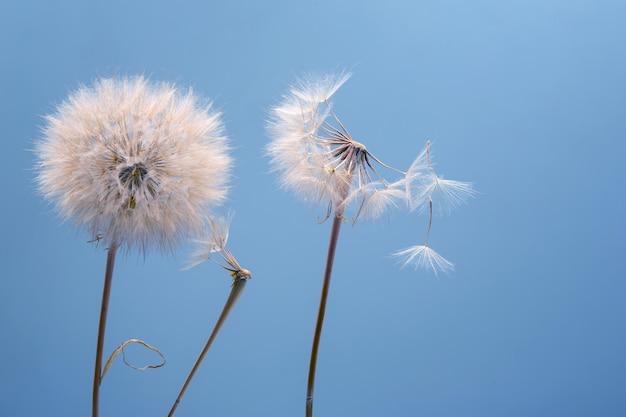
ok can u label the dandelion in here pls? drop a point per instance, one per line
(216, 243)
(137, 164)
(322, 163)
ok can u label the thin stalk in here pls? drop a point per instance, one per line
(106, 291)
(332, 246)
(235, 292)
(430, 219)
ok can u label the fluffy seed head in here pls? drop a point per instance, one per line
(137, 163)
(317, 157)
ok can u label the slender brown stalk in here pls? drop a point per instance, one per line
(235, 292)
(104, 308)
(332, 246)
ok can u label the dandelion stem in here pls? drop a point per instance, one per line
(237, 289)
(106, 291)
(332, 246)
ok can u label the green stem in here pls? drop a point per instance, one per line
(235, 292)
(332, 246)
(104, 308)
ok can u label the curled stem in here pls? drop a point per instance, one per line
(120, 349)
(235, 293)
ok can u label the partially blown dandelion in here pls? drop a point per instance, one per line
(318, 158)
(136, 163)
(319, 161)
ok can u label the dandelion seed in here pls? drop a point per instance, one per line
(447, 194)
(422, 256)
(373, 198)
(424, 185)
(136, 162)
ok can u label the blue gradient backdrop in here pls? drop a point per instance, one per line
(524, 98)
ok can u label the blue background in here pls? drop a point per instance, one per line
(524, 98)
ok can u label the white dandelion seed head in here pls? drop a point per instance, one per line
(317, 158)
(137, 162)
